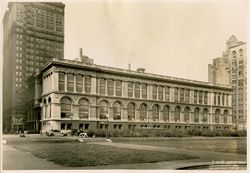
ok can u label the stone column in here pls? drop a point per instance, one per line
(191, 96)
(55, 81)
(114, 87)
(171, 92)
(150, 91)
(106, 86)
(172, 118)
(111, 113)
(191, 114)
(93, 112)
(160, 115)
(181, 115)
(150, 115)
(124, 88)
(93, 84)
(124, 114)
(65, 81)
(137, 114)
(83, 84)
(74, 76)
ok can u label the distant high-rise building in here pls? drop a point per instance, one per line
(231, 67)
(219, 71)
(33, 33)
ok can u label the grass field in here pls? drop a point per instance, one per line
(74, 154)
(226, 144)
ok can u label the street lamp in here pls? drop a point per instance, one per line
(71, 121)
(107, 116)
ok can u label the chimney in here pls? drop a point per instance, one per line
(80, 52)
(129, 66)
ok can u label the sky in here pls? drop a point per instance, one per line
(174, 38)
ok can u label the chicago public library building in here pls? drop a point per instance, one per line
(77, 94)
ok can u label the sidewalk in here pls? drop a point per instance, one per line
(17, 160)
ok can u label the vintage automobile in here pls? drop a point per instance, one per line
(55, 132)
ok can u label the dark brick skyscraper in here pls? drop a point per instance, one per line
(33, 33)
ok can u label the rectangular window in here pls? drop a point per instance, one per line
(205, 98)
(182, 94)
(223, 96)
(167, 91)
(226, 99)
(195, 96)
(70, 82)
(218, 99)
(176, 94)
(160, 92)
(110, 87)
(154, 92)
(215, 98)
(187, 95)
(200, 97)
(144, 91)
(61, 83)
(79, 83)
(118, 88)
(87, 84)
(130, 89)
(137, 90)
(102, 86)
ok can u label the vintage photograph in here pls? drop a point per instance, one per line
(124, 85)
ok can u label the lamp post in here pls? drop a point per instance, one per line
(107, 116)
(71, 121)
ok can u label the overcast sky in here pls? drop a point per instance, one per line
(165, 37)
(176, 38)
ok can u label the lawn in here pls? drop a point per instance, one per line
(223, 144)
(75, 154)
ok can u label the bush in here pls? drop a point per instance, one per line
(91, 133)
(239, 133)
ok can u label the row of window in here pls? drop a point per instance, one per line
(103, 110)
(112, 87)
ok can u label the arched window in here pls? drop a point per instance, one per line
(177, 114)
(143, 112)
(155, 113)
(205, 116)
(196, 115)
(131, 111)
(103, 109)
(83, 108)
(45, 108)
(49, 104)
(186, 114)
(165, 113)
(65, 107)
(217, 116)
(226, 116)
(117, 111)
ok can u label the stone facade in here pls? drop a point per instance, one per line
(76, 95)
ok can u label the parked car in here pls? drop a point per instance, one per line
(55, 132)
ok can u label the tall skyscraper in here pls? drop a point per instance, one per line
(33, 33)
(231, 67)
